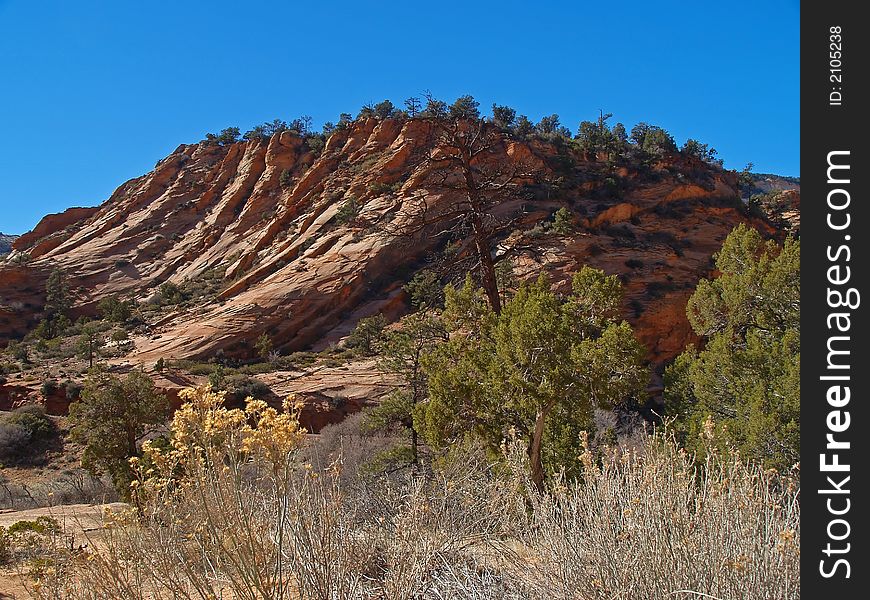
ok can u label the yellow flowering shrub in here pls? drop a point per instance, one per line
(205, 433)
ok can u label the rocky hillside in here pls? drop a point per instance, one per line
(766, 183)
(6, 243)
(301, 243)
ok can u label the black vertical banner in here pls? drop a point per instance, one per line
(835, 261)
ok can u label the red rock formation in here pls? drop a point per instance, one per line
(50, 225)
(265, 212)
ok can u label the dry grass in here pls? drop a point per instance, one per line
(647, 523)
(53, 488)
(231, 513)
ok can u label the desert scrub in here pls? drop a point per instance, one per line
(652, 523)
(231, 507)
(23, 430)
(27, 540)
(212, 506)
(228, 507)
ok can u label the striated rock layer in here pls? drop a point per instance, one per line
(264, 211)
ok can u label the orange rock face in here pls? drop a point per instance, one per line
(51, 225)
(266, 213)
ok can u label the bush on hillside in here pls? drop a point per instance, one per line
(21, 429)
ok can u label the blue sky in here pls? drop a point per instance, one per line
(94, 93)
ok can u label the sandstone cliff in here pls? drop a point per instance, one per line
(266, 215)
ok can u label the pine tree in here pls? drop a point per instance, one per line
(57, 305)
(401, 353)
(536, 369)
(109, 420)
(747, 376)
(89, 343)
(471, 179)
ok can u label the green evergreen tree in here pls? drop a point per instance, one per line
(503, 116)
(413, 106)
(171, 293)
(113, 309)
(109, 420)
(227, 136)
(745, 181)
(401, 354)
(425, 290)
(57, 304)
(469, 171)
(89, 343)
(702, 152)
(652, 141)
(263, 346)
(366, 334)
(536, 369)
(524, 127)
(216, 378)
(505, 278)
(595, 137)
(465, 107)
(563, 221)
(746, 379)
(384, 110)
(550, 125)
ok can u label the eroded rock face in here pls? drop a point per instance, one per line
(52, 230)
(21, 298)
(266, 213)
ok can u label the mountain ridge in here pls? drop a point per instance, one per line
(6, 241)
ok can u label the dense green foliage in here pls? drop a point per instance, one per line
(594, 137)
(366, 334)
(110, 419)
(503, 116)
(22, 428)
(425, 290)
(230, 135)
(171, 293)
(652, 140)
(535, 370)
(111, 308)
(266, 130)
(465, 107)
(701, 152)
(747, 377)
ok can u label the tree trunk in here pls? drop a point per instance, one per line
(537, 465)
(132, 448)
(487, 266)
(481, 238)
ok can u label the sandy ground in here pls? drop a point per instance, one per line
(75, 518)
(78, 520)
